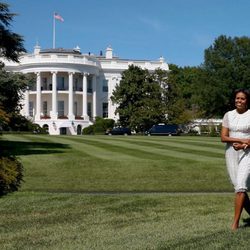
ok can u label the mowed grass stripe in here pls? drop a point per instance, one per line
(181, 147)
(94, 150)
(148, 149)
(201, 140)
(192, 140)
(214, 144)
(125, 148)
(15, 137)
(196, 140)
(127, 152)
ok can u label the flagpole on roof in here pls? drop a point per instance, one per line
(54, 31)
(58, 17)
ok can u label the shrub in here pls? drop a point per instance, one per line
(99, 127)
(11, 174)
(18, 122)
(37, 129)
(101, 124)
(88, 130)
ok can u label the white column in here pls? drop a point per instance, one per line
(111, 84)
(27, 103)
(53, 114)
(70, 98)
(94, 96)
(84, 97)
(38, 96)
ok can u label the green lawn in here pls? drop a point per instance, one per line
(117, 192)
(121, 164)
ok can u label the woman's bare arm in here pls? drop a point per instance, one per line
(225, 137)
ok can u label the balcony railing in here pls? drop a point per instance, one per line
(77, 117)
(45, 117)
(62, 117)
(55, 58)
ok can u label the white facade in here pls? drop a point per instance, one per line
(72, 88)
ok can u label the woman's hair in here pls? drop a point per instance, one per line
(244, 91)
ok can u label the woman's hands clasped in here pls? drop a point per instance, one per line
(245, 143)
(237, 146)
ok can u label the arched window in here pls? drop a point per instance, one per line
(46, 127)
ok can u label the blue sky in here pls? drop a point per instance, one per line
(178, 30)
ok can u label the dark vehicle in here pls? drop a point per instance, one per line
(162, 129)
(118, 131)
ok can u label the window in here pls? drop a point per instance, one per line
(105, 109)
(44, 83)
(89, 86)
(60, 108)
(32, 86)
(60, 83)
(75, 108)
(31, 108)
(89, 109)
(105, 87)
(75, 87)
(45, 108)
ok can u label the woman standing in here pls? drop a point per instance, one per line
(236, 134)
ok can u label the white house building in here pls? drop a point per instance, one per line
(72, 88)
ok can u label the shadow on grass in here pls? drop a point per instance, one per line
(246, 222)
(29, 148)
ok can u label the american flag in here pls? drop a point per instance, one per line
(58, 17)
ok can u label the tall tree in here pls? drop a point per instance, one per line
(141, 98)
(12, 85)
(226, 68)
(206, 91)
(184, 99)
(11, 44)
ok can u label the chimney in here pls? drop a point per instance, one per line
(37, 49)
(161, 59)
(77, 49)
(109, 52)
